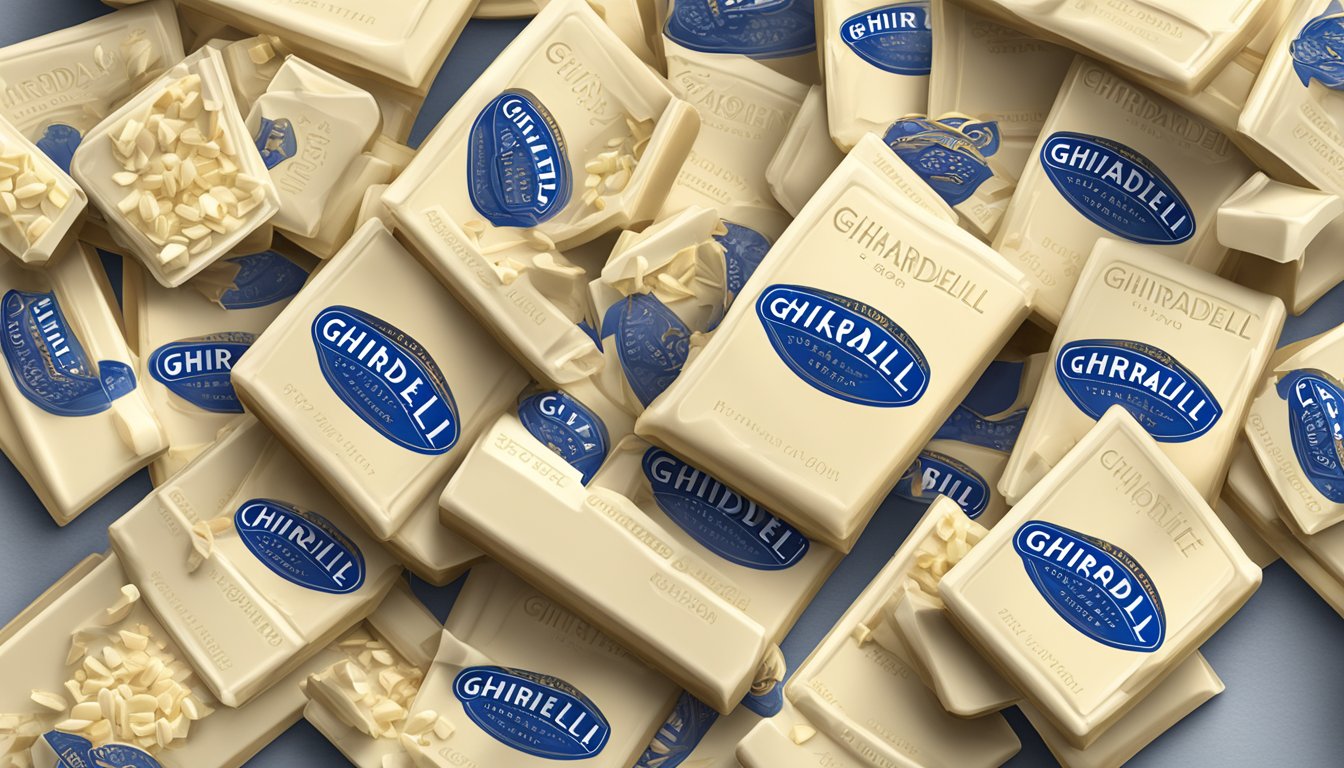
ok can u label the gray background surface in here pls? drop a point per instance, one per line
(1280, 656)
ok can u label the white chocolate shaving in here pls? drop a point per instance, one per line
(31, 197)
(373, 689)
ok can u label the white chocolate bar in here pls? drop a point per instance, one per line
(927, 306)
(250, 564)
(603, 557)
(1180, 349)
(175, 172)
(379, 392)
(40, 205)
(806, 155)
(877, 57)
(82, 421)
(1100, 582)
(598, 704)
(1174, 171)
(607, 137)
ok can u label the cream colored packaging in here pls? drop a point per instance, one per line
(806, 155)
(1114, 159)
(1192, 684)
(40, 205)
(1294, 112)
(710, 742)
(375, 168)
(1182, 350)
(88, 618)
(770, 570)
(1185, 42)
(781, 35)
(401, 43)
(1251, 496)
(634, 21)
(361, 703)
(59, 86)
(868, 315)
(72, 394)
(579, 423)
(1002, 79)
(1295, 432)
(604, 558)
(591, 700)
(745, 110)
(1108, 575)
(380, 393)
(175, 172)
(877, 60)
(187, 342)
(1291, 234)
(606, 138)
(310, 126)
(250, 564)
(857, 701)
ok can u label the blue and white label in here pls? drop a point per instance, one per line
(967, 426)
(724, 521)
(1318, 50)
(518, 172)
(49, 364)
(843, 347)
(1096, 587)
(651, 342)
(78, 752)
(197, 369)
(743, 250)
(760, 29)
(1315, 401)
(1164, 396)
(896, 38)
(276, 140)
(951, 155)
(59, 142)
(936, 474)
(567, 427)
(680, 734)
(539, 715)
(1118, 189)
(263, 279)
(387, 378)
(300, 546)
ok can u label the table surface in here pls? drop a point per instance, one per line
(1273, 655)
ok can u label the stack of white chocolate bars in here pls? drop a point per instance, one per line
(635, 344)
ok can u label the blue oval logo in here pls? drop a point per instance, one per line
(197, 369)
(724, 521)
(540, 715)
(49, 364)
(1118, 189)
(1095, 586)
(387, 378)
(78, 752)
(1315, 401)
(59, 143)
(263, 279)
(936, 474)
(743, 250)
(967, 426)
(951, 155)
(760, 29)
(652, 343)
(680, 734)
(1318, 50)
(843, 347)
(1161, 394)
(518, 172)
(896, 38)
(567, 427)
(276, 140)
(300, 546)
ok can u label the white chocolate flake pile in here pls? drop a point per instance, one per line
(31, 197)
(184, 180)
(611, 170)
(373, 691)
(953, 538)
(125, 687)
